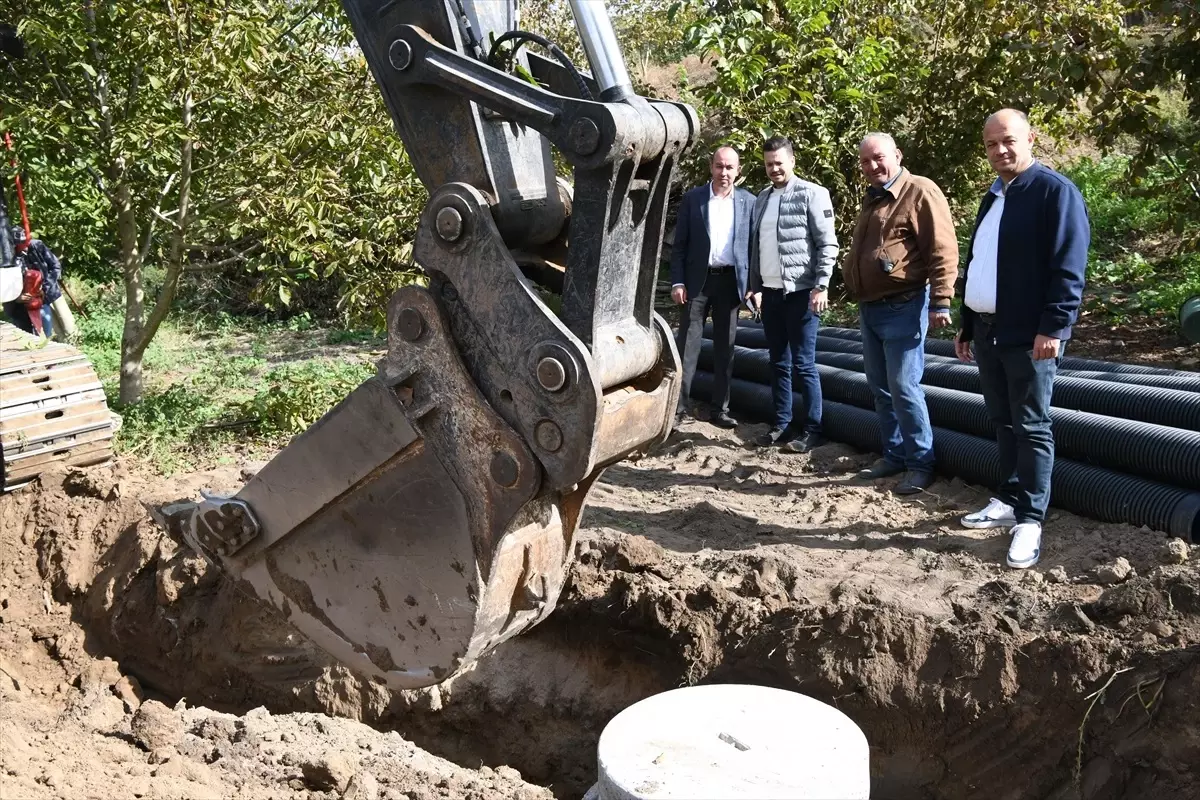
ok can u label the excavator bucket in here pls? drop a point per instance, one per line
(431, 515)
(401, 533)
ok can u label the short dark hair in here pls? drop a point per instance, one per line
(778, 143)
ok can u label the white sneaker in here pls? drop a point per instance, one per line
(1026, 547)
(996, 514)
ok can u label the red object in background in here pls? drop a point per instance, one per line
(12, 160)
(32, 287)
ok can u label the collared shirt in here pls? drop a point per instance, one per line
(769, 268)
(878, 192)
(980, 294)
(720, 229)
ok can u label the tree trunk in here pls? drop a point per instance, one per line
(131, 270)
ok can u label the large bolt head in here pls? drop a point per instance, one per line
(548, 436)
(449, 224)
(504, 469)
(551, 373)
(400, 55)
(584, 136)
(411, 324)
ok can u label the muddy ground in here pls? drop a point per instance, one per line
(128, 668)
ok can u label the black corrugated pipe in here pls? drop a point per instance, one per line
(1151, 451)
(753, 336)
(1169, 407)
(1168, 454)
(1091, 491)
(945, 347)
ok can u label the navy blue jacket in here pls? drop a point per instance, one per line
(1041, 259)
(689, 250)
(38, 255)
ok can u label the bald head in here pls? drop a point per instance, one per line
(879, 158)
(724, 167)
(1008, 140)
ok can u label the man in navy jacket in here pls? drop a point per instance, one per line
(1022, 290)
(709, 261)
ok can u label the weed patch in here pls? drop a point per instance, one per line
(295, 396)
(1140, 263)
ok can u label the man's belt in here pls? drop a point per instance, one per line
(720, 269)
(987, 319)
(902, 297)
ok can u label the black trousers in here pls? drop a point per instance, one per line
(720, 294)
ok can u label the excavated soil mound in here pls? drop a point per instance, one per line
(709, 562)
(78, 553)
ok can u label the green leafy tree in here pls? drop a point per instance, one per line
(196, 136)
(1155, 102)
(927, 71)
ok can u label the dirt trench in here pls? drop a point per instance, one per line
(702, 564)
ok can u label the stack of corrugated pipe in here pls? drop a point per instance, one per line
(1127, 437)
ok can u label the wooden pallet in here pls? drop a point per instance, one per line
(52, 408)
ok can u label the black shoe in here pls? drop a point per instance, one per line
(914, 483)
(807, 442)
(722, 420)
(776, 435)
(882, 468)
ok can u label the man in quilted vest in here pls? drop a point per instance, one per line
(793, 248)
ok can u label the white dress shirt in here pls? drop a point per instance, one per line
(720, 229)
(980, 294)
(769, 268)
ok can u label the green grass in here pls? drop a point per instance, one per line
(1140, 263)
(218, 385)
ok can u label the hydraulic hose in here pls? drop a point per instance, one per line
(1091, 491)
(1152, 451)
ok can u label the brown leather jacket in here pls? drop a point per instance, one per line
(903, 241)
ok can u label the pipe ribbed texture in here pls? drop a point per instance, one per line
(751, 335)
(1169, 407)
(1167, 454)
(1174, 408)
(945, 347)
(1092, 491)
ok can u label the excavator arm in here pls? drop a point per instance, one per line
(431, 514)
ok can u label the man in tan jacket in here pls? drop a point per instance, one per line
(901, 269)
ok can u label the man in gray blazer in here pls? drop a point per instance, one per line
(710, 259)
(793, 248)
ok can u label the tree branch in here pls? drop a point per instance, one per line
(238, 257)
(156, 214)
(135, 81)
(166, 297)
(101, 185)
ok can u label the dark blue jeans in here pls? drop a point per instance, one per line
(1017, 392)
(893, 336)
(791, 330)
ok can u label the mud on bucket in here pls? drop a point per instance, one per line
(732, 742)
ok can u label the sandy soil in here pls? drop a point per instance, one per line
(709, 561)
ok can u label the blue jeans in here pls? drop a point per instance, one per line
(1017, 392)
(893, 337)
(791, 331)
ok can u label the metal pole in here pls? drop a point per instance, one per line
(603, 51)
